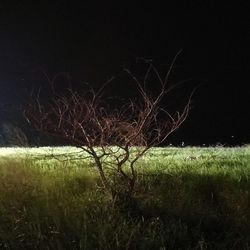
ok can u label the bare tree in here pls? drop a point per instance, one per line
(115, 138)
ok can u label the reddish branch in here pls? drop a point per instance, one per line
(114, 138)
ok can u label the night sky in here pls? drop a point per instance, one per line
(94, 42)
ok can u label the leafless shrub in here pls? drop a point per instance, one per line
(115, 138)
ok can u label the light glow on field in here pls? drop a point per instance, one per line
(155, 157)
(35, 151)
(189, 152)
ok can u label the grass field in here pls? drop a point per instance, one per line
(188, 198)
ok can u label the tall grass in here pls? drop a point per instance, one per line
(188, 198)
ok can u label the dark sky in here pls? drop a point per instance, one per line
(94, 42)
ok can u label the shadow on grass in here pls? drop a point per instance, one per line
(215, 207)
(55, 210)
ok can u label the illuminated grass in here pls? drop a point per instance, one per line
(189, 198)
